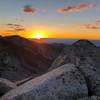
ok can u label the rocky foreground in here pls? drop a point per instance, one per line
(74, 75)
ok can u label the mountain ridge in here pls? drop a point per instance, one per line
(76, 70)
(20, 55)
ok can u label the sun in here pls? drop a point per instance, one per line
(38, 36)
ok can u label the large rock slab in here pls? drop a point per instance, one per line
(63, 83)
(91, 98)
(92, 77)
(5, 86)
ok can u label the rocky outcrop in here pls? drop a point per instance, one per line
(77, 53)
(63, 83)
(5, 86)
(91, 98)
(86, 57)
(74, 75)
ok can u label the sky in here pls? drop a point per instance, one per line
(71, 19)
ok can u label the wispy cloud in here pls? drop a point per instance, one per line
(95, 25)
(29, 9)
(15, 27)
(76, 9)
(91, 26)
(98, 21)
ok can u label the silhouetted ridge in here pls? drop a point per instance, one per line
(84, 42)
(16, 36)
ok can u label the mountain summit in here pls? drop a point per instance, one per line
(83, 42)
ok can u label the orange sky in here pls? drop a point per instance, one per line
(78, 19)
(63, 32)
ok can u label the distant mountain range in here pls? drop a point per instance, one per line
(65, 41)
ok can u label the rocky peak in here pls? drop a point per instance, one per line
(84, 42)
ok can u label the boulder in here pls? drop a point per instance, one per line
(5, 86)
(63, 83)
(92, 77)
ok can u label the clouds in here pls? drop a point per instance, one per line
(91, 26)
(76, 9)
(15, 27)
(95, 25)
(98, 21)
(29, 9)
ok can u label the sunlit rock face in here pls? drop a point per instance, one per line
(63, 83)
(21, 58)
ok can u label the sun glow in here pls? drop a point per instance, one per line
(38, 36)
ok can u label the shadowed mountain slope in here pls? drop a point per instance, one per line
(20, 57)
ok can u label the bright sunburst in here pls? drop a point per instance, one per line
(38, 36)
